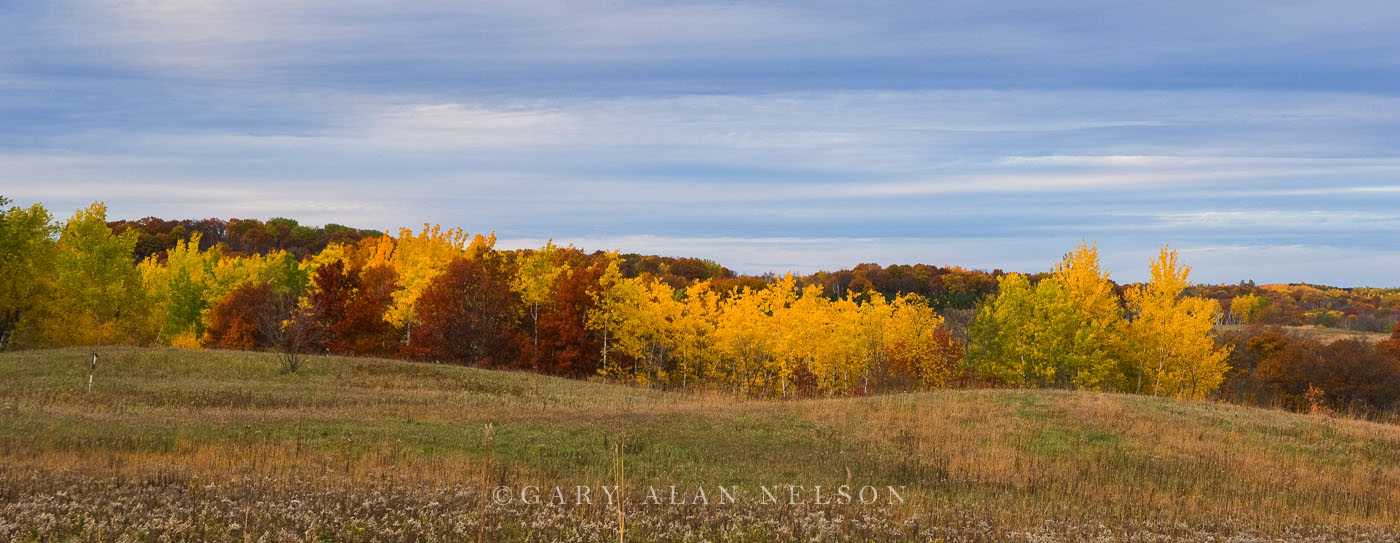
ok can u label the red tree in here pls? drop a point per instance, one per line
(329, 300)
(467, 315)
(348, 305)
(236, 321)
(1350, 373)
(1391, 346)
(567, 346)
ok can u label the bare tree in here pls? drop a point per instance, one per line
(289, 327)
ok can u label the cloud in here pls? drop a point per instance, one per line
(470, 126)
(766, 135)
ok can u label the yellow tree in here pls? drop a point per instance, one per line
(646, 326)
(27, 255)
(846, 351)
(98, 296)
(798, 322)
(1005, 333)
(918, 342)
(326, 257)
(1086, 323)
(873, 321)
(178, 289)
(613, 304)
(536, 273)
(1064, 331)
(419, 259)
(744, 339)
(661, 317)
(1249, 308)
(696, 334)
(1171, 334)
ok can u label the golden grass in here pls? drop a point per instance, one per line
(977, 464)
(1319, 333)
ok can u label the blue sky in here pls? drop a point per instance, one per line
(1259, 138)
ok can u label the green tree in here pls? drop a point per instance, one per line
(1063, 332)
(98, 297)
(178, 290)
(27, 255)
(1004, 336)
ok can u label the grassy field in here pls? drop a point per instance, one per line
(179, 445)
(1319, 333)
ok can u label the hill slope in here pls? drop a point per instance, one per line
(220, 445)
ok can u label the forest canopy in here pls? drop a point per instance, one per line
(445, 295)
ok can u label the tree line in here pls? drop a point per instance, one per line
(443, 295)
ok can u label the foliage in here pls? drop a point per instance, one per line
(27, 257)
(1170, 334)
(658, 321)
(566, 345)
(239, 237)
(1249, 308)
(348, 306)
(537, 273)
(1069, 330)
(1346, 375)
(1272, 367)
(180, 288)
(419, 259)
(468, 315)
(1065, 331)
(97, 296)
(236, 321)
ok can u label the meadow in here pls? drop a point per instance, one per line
(1321, 334)
(181, 445)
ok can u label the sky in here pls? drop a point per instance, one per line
(1257, 138)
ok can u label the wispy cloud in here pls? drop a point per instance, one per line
(767, 135)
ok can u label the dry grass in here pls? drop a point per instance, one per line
(180, 445)
(1320, 333)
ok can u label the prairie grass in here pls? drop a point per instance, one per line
(1317, 332)
(208, 445)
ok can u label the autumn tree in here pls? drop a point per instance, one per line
(264, 309)
(798, 323)
(418, 260)
(744, 339)
(333, 288)
(236, 320)
(179, 291)
(1170, 335)
(467, 315)
(1086, 323)
(917, 343)
(1248, 308)
(98, 296)
(1391, 346)
(352, 313)
(612, 305)
(567, 345)
(537, 273)
(27, 258)
(650, 333)
(696, 355)
(1006, 334)
(1061, 332)
(1349, 374)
